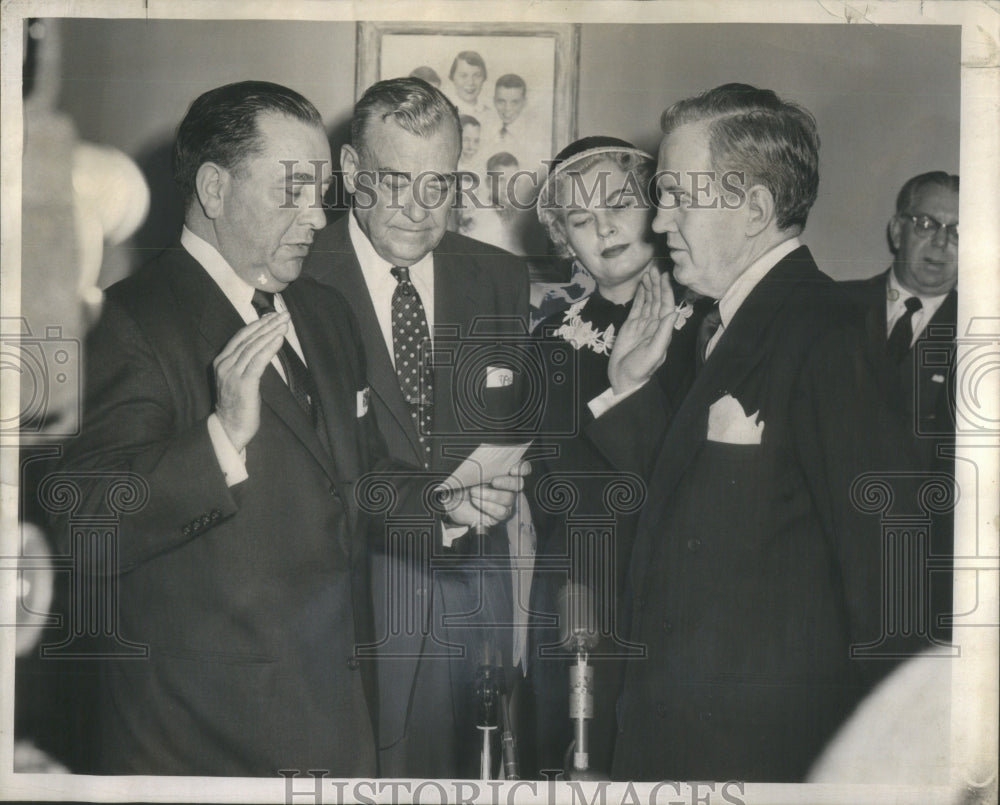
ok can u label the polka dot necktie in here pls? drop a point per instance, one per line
(409, 334)
(902, 332)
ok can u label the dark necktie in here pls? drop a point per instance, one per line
(708, 327)
(503, 132)
(297, 376)
(902, 332)
(409, 333)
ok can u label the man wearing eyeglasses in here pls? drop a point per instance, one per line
(909, 318)
(910, 309)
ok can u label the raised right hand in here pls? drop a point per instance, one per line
(238, 369)
(641, 344)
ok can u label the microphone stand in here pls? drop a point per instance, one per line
(576, 608)
(487, 693)
(581, 711)
(508, 743)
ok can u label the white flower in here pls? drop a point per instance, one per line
(581, 333)
(684, 311)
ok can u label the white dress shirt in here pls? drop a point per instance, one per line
(240, 296)
(382, 284)
(738, 292)
(895, 306)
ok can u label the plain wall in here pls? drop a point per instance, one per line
(886, 101)
(886, 98)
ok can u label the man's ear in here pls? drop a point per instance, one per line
(895, 233)
(759, 209)
(350, 164)
(211, 184)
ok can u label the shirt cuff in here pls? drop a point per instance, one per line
(607, 400)
(450, 533)
(233, 462)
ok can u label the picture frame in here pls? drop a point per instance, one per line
(546, 54)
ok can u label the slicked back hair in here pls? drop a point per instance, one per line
(773, 142)
(415, 105)
(221, 127)
(909, 191)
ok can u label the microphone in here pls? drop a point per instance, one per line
(579, 632)
(488, 700)
(577, 609)
(508, 743)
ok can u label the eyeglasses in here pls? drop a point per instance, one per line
(926, 226)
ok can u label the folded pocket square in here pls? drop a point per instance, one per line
(730, 424)
(499, 376)
(364, 397)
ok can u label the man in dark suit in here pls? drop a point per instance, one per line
(232, 397)
(912, 307)
(753, 574)
(909, 316)
(399, 167)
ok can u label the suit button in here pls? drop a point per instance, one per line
(333, 491)
(694, 544)
(706, 716)
(216, 514)
(353, 664)
(186, 531)
(661, 709)
(667, 626)
(205, 519)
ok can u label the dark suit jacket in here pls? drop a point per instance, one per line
(250, 598)
(921, 386)
(921, 392)
(752, 572)
(473, 283)
(427, 713)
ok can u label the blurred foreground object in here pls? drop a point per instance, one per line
(900, 734)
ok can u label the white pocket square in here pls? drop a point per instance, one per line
(729, 423)
(498, 376)
(363, 398)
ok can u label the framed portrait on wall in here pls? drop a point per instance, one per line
(545, 57)
(515, 88)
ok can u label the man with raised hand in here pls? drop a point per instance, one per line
(755, 576)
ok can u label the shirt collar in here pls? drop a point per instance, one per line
(372, 263)
(896, 295)
(515, 127)
(235, 288)
(748, 280)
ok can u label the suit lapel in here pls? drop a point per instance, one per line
(736, 357)
(455, 308)
(337, 399)
(218, 322)
(349, 280)
(944, 316)
(875, 321)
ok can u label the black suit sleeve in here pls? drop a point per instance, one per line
(631, 433)
(130, 426)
